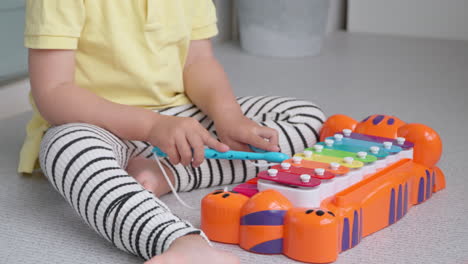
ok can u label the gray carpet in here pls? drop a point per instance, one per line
(418, 80)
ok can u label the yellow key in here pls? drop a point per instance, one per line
(329, 159)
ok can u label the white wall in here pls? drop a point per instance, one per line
(423, 18)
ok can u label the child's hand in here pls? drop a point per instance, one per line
(238, 132)
(193, 249)
(183, 138)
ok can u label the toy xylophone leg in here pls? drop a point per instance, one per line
(221, 212)
(311, 235)
(262, 222)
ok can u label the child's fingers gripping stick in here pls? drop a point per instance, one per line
(271, 135)
(236, 145)
(184, 148)
(170, 150)
(265, 138)
(214, 143)
(198, 149)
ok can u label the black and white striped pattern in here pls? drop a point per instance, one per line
(86, 164)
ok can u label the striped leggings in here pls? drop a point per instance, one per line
(86, 164)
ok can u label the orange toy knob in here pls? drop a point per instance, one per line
(427, 143)
(311, 235)
(379, 125)
(262, 218)
(221, 212)
(335, 124)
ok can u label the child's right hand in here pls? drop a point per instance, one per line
(182, 139)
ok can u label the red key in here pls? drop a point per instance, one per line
(300, 170)
(289, 178)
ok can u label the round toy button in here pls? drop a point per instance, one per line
(334, 165)
(305, 177)
(387, 145)
(297, 160)
(329, 142)
(319, 171)
(347, 132)
(362, 154)
(272, 172)
(338, 137)
(348, 160)
(318, 148)
(374, 149)
(308, 153)
(285, 165)
(401, 140)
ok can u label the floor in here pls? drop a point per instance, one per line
(418, 80)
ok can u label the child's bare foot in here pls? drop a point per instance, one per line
(148, 174)
(193, 249)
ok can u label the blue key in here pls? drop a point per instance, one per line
(367, 144)
(354, 148)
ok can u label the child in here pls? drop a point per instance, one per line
(109, 79)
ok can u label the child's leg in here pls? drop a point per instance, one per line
(85, 164)
(297, 121)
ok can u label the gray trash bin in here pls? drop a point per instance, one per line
(282, 28)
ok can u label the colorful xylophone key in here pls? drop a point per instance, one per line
(333, 167)
(359, 162)
(346, 162)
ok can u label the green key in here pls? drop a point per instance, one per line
(360, 156)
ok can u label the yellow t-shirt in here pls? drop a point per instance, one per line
(128, 51)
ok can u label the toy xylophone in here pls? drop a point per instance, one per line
(361, 177)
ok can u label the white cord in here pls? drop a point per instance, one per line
(170, 184)
(190, 174)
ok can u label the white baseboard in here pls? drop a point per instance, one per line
(419, 18)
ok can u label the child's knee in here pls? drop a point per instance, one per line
(66, 143)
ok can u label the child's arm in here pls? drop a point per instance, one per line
(61, 101)
(208, 87)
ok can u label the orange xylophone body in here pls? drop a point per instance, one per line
(269, 223)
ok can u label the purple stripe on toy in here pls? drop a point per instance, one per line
(391, 214)
(378, 119)
(406, 145)
(428, 184)
(345, 235)
(269, 247)
(355, 238)
(269, 217)
(421, 190)
(405, 204)
(400, 203)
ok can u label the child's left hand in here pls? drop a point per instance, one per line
(239, 132)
